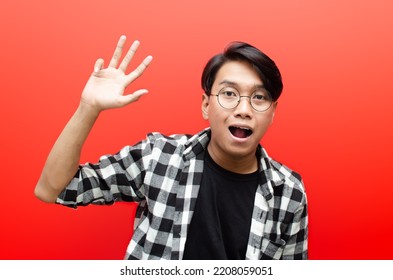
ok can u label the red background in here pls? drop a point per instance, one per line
(333, 124)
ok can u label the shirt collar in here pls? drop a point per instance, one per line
(197, 144)
(271, 177)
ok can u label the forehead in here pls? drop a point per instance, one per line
(240, 73)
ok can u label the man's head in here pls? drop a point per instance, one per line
(241, 86)
(239, 51)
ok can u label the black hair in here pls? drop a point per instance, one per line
(265, 67)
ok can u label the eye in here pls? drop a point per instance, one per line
(228, 93)
(259, 97)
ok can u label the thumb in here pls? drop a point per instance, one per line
(129, 98)
(98, 65)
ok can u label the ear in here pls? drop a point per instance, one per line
(205, 106)
(274, 105)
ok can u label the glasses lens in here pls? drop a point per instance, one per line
(261, 101)
(228, 98)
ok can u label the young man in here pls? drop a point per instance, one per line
(213, 195)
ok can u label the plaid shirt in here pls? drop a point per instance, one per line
(164, 173)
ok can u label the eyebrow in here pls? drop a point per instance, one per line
(231, 83)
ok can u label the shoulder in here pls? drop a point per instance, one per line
(184, 142)
(286, 173)
(177, 139)
(167, 144)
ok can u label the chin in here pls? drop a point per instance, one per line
(238, 151)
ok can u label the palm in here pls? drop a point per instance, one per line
(105, 88)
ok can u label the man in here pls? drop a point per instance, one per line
(213, 195)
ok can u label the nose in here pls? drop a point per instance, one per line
(244, 109)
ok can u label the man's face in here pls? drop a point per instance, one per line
(236, 132)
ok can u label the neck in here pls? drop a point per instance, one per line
(237, 164)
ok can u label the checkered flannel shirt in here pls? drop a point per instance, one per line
(164, 173)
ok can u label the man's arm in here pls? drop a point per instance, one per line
(104, 90)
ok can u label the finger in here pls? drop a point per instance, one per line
(130, 54)
(98, 65)
(118, 51)
(129, 98)
(139, 70)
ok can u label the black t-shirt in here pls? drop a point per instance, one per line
(220, 226)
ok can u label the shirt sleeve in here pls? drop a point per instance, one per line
(117, 177)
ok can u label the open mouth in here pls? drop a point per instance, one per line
(240, 132)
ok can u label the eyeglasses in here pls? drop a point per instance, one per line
(229, 98)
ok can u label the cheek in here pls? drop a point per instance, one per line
(217, 120)
(215, 113)
(264, 124)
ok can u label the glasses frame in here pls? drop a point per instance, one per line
(239, 99)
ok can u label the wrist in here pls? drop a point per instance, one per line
(87, 110)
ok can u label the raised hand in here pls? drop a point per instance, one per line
(105, 88)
